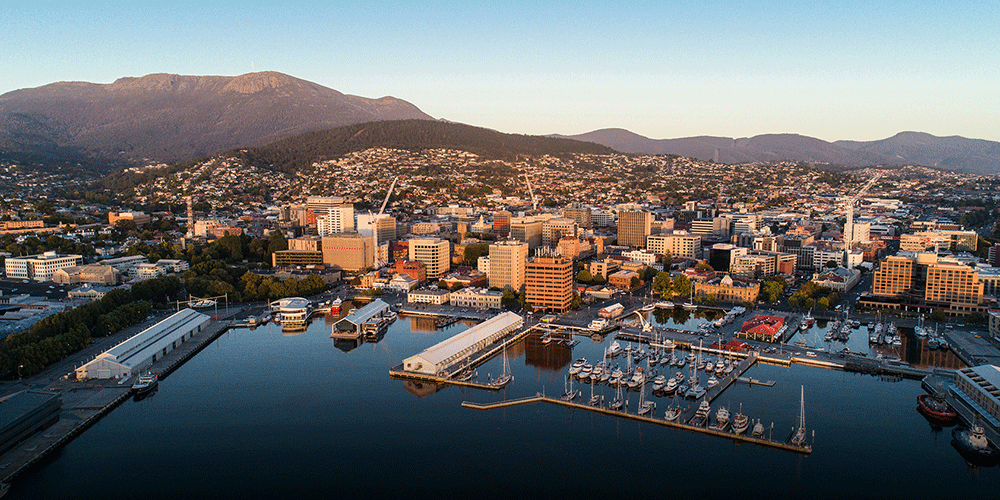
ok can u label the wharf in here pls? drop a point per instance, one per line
(805, 450)
(84, 403)
(474, 360)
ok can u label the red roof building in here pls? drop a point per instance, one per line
(764, 328)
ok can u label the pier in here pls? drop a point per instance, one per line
(84, 403)
(805, 450)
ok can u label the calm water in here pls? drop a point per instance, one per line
(261, 414)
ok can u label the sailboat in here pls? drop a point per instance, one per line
(644, 405)
(570, 393)
(595, 400)
(799, 437)
(618, 403)
(506, 377)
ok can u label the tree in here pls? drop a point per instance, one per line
(584, 276)
(937, 316)
(977, 318)
(648, 274)
(822, 304)
(703, 266)
(831, 263)
(663, 285)
(472, 253)
(682, 285)
(634, 282)
(442, 285)
(509, 298)
(575, 303)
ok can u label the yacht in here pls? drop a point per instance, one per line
(659, 382)
(570, 393)
(695, 391)
(740, 422)
(799, 437)
(758, 429)
(614, 349)
(671, 386)
(712, 382)
(145, 384)
(721, 419)
(665, 304)
(577, 366)
(638, 378)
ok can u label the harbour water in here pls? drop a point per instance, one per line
(274, 416)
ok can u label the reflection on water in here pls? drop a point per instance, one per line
(421, 389)
(553, 356)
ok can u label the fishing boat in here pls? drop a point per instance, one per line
(145, 384)
(335, 305)
(799, 437)
(673, 413)
(936, 409)
(740, 422)
(721, 419)
(972, 443)
(758, 429)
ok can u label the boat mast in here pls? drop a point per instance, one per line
(802, 410)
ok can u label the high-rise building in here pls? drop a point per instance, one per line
(435, 253)
(348, 251)
(677, 244)
(549, 283)
(554, 229)
(601, 218)
(384, 224)
(633, 228)
(582, 216)
(501, 223)
(507, 264)
(922, 279)
(528, 231)
(335, 220)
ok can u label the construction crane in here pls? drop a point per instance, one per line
(534, 202)
(849, 212)
(373, 220)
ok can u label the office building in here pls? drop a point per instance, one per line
(348, 252)
(501, 223)
(633, 228)
(40, 267)
(555, 229)
(435, 253)
(507, 263)
(549, 283)
(582, 216)
(528, 231)
(335, 220)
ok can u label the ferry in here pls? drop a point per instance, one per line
(598, 325)
(295, 311)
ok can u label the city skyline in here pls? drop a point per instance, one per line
(662, 71)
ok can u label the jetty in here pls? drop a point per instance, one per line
(539, 398)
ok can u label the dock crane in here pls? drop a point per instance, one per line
(646, 326)
(534, 201)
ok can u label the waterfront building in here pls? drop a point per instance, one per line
(979, 388)
(763, 328)
(476, 297)
(402, 283)
(136, 354)
(433, 296)
(924, 281)
(727, 289)
(40, 267)
(435, 253)
(507, 264)
(443, 357)
(722, 255)
(353, 325)
(633, 228)
(840, 280)
(549, 283)
(612, 311)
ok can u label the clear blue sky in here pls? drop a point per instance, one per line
(832, 70)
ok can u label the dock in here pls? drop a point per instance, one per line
(805, 450)
(84, 403)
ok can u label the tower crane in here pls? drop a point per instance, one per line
(534, 202)
(373, 220)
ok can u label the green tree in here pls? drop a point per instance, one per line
(648, 273)
(584, 276)
(682, 285)
(703, 266)
(822, 304)
(472, 253)
(937, 316)
(663, 285)
(831, 263)
(634, 282)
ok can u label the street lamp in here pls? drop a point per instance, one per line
(19, 371)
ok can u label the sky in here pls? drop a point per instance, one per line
(664, 69)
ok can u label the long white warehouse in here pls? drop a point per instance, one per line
(436, 360)
(142, 349)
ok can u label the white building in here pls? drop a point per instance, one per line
(441, 358)
(436, 297)
(125, 265)
(146, 271)
(173, 266)
(137, 353)
(478, 298)
(39, 267)
(336, 220)
(402, 283)
(644, 256)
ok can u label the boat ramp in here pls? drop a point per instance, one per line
(541, 398)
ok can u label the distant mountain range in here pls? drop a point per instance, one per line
(953, 153)
(166, 117)
(170, 118)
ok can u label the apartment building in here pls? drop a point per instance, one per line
(549, 283)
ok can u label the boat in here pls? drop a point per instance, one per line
(619, 403)
(700, 418)
(972, 443)
(645, 407)
(695, 391)
(505, 377)
(659, 382)
(570, 393)
(598, 325)
(689, 306)
(647, 307)
(671, 386)
(665, 304)
(799, 437)
(638, 378)
(585, 371)
(595, 400)
(758, 429)
(577, 366)
(335, 305)
(145, 384)
(936, 409)
(614, 349)
(740, 422)
(721, 419)
(712, 382)
(673, 413)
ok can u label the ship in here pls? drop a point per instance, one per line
(936, 409)
(335, 306)
(145, 384)
(972, 444)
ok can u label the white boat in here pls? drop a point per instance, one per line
(712, 382)
(577, 366)
(740, 422)
(645, 407)
(598, 325)
(665, 304)
(673, 413)
(570, 393)
(758, 429)
(647, 307)
(619, 403)
(721, 419)
(506, 377)
(659, 382)
(671, 385)
(799, 437)
(614, 349)
(689, 306)
(638, 378)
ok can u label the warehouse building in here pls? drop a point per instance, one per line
(439, 358)
(25, 413)
(351, 326)
(137, 353)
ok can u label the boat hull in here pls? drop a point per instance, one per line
(935, 413)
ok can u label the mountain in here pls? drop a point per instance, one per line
(292, 153)
(955, 153)
(167, 117)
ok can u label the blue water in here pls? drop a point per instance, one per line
(264, 415)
